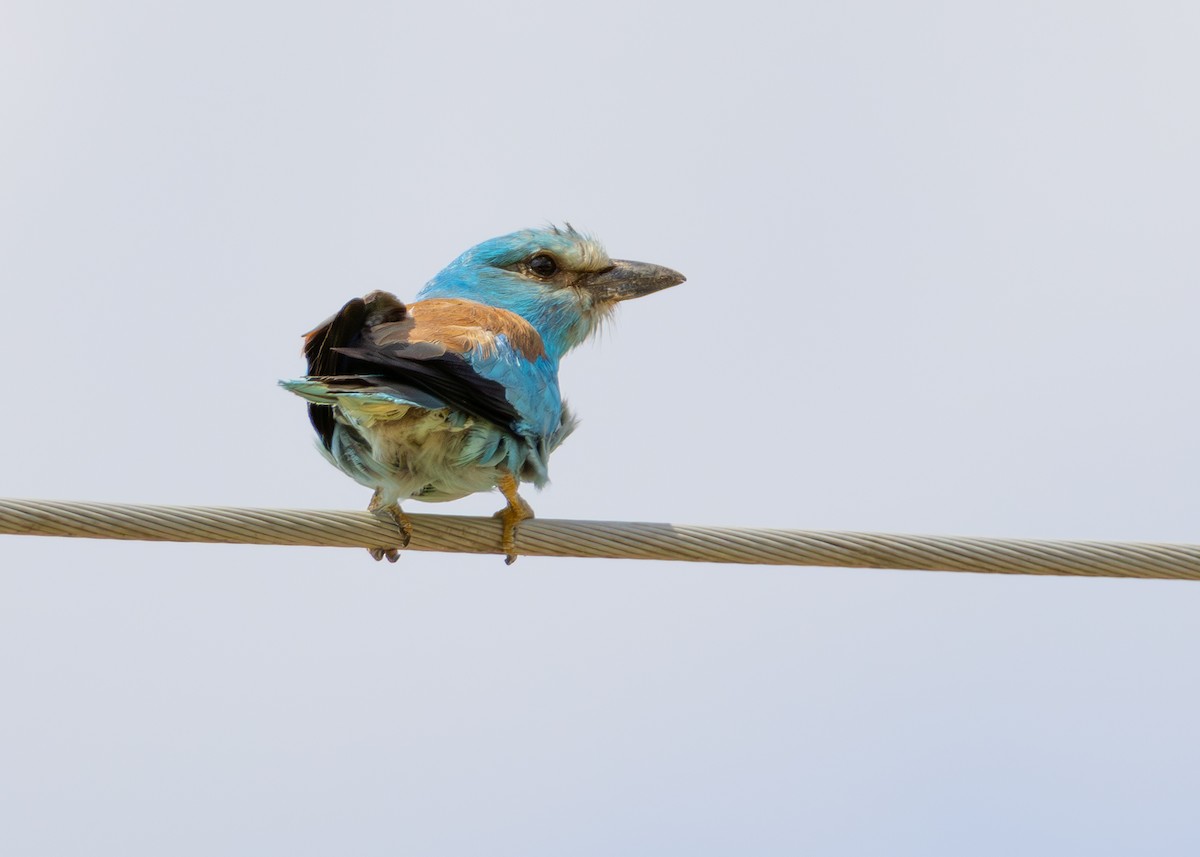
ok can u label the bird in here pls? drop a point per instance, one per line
(457, 392)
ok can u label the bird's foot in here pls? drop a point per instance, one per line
(390, 513)
(511, 516)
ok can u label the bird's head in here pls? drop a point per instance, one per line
(559, 280)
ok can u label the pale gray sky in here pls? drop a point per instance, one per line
(942, 279)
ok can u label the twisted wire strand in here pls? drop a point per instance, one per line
(602, 539)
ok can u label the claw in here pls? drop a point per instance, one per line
(511, 516)
(391, 513)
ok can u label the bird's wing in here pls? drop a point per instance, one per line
(501, 347)
(433, 354)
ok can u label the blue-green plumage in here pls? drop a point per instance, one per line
(458, 392)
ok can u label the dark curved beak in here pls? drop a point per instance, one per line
(625, 280)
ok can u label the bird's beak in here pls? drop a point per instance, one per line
(625, 280)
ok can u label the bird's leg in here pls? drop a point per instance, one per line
(391, 513)
(511, 515)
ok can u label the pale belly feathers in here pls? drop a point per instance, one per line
(429, 455)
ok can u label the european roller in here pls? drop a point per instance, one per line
(458, 391)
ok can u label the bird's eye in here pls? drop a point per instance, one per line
(543, 265)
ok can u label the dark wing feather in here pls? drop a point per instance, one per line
(447, 376)
(323, 360)
(342, 328)
(421, 372)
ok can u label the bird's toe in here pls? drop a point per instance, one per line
(390, 513)
(511, 517)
